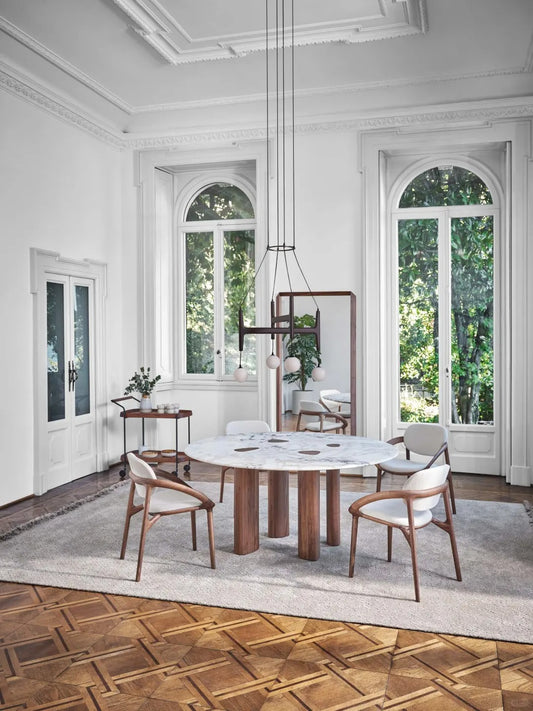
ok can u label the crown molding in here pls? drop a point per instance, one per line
(35, 46)
(167, 36)
(438, 115)
(528, 66)
(57, 106)
(341, 89)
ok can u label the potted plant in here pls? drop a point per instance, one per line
(143, 383)
(302, 346)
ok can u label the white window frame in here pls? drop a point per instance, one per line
(443, 215)
(217, 229)
(376, 191)
(202, 179)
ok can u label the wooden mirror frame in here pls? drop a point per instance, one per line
(353, 365)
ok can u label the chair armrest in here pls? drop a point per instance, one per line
(396, 494)
(178, 485)
(334, 416)
(436, 455)
(395, 440)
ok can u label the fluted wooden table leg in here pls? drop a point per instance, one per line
(309, 515)
(278, 504)
(246, 511)
(333, 507)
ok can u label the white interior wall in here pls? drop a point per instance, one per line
(65, 191)
(60, 190)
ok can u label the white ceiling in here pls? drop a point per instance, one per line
(155, 65)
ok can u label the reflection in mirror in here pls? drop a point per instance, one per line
(337, 352)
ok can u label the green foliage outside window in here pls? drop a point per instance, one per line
(219, 201)
(472, 279)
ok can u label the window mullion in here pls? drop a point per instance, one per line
(218, 234)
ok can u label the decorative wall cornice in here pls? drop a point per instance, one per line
(57, 107)
(65, 66)
(479, 112)
(438, 117)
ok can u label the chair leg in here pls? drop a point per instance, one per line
(144, 530)
(222, 478)
(451, 533)
(129, 514)
(355, 521)
(410, 534)
(450, 479)
(378, 482)
(193, 529)
(211, 535)
(389, 543)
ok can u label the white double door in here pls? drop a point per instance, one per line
(68, 352)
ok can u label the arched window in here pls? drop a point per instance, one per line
(445, 248)
(218, 248)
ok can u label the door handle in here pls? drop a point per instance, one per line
(72, 375)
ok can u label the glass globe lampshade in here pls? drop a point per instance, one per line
(240, 374)
(292, 364)
(273, 361)
(318, 373)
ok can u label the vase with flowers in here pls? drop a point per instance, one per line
(143, 383)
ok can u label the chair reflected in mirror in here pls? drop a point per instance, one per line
(314, 417)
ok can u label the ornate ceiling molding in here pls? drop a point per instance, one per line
(56, 106)
(65, 66)
(387, 19)
(438, 116)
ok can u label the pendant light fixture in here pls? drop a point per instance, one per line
(281, 240)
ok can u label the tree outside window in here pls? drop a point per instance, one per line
(219, 264)
(470, 284)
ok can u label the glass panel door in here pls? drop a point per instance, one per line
(472, 320)
(55, 337)
(418, 307)
(80, 373)
(200, 302)
(239, 265)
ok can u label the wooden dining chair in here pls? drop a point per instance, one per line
(162, 497)
(427, 439)
(408, 509)
(241, 427)
(314, 417)
(343, 409)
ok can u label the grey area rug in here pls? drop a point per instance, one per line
(80, 550)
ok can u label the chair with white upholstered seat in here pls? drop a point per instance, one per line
(343, 409)
(162, 497)
(408, 509)
(241, 427)
(314, 417)
(428, 439)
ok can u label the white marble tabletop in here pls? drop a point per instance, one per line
(290, 451)
(344, 398)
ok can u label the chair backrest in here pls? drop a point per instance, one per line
(332, 391)
(142, 469)
(427, 479)
(324, 397)
(247, 427)
(425, 438)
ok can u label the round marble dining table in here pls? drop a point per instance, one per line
(341, 398)
(307, 453)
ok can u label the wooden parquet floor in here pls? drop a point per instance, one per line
(67, 650)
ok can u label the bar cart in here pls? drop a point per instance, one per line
(156, 456)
